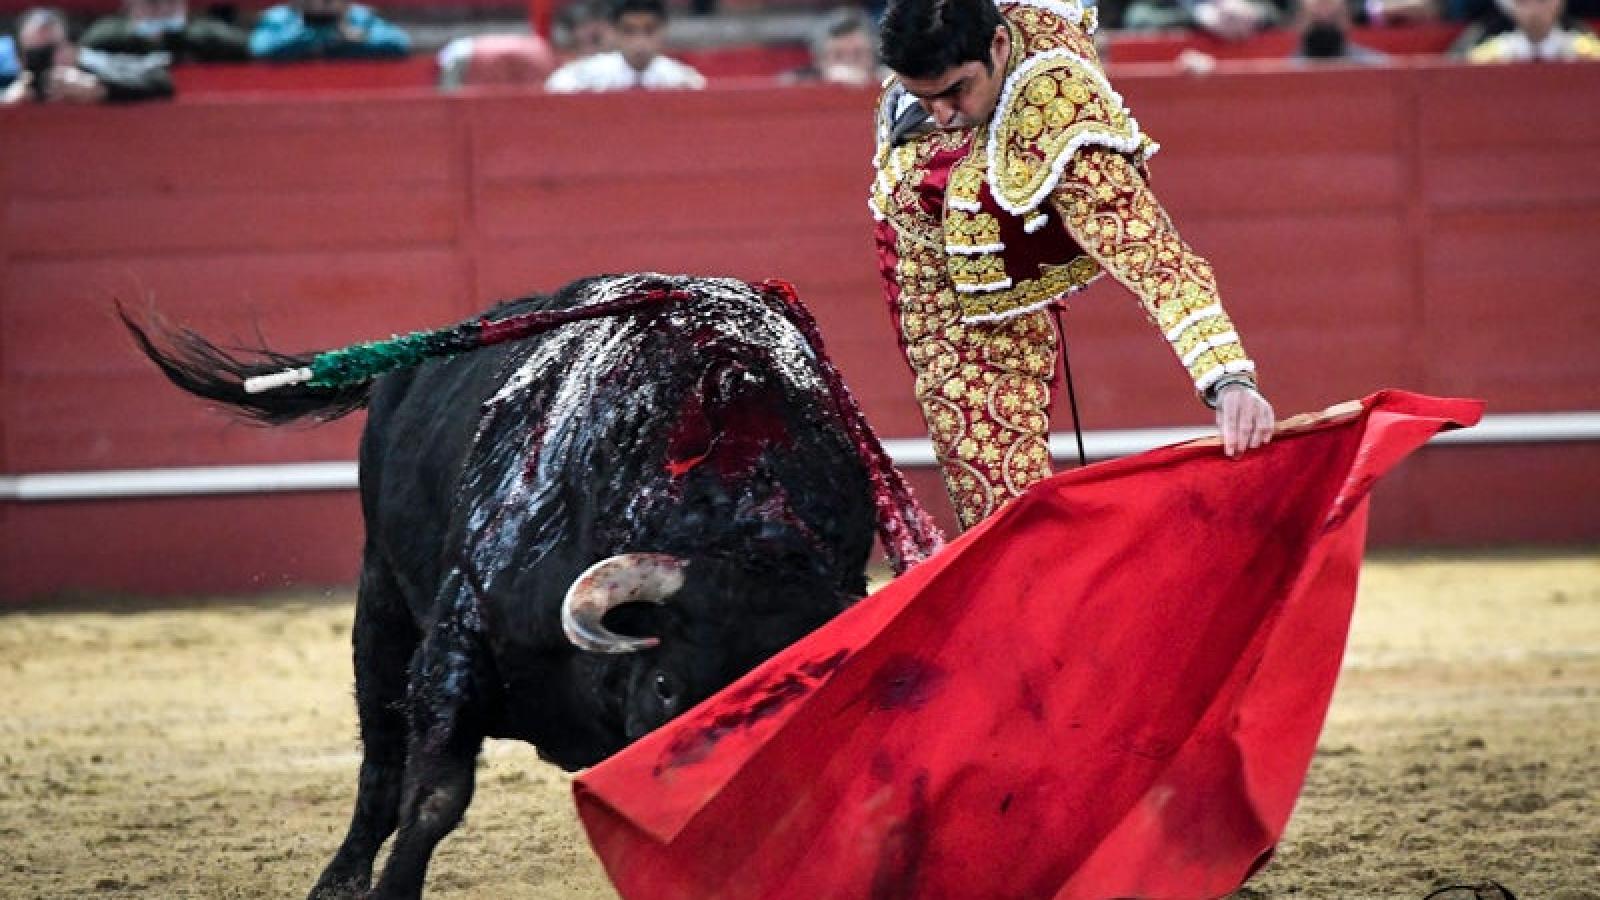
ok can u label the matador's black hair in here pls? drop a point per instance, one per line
(925, 38)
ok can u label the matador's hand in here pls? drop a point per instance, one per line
(1245, 419)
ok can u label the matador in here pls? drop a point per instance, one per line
(1010, 175)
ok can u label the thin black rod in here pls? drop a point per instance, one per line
(1072, 395)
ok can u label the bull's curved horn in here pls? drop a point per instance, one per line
(609, 583)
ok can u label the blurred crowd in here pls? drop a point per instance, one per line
(1491, 31)
(127, 57)
(608, 45)
(1548, 25)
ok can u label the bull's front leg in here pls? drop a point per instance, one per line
(450, 686)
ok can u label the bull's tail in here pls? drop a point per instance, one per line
(205, 370)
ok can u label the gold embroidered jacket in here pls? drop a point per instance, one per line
(1016, 215)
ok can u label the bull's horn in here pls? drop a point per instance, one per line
(609, 583)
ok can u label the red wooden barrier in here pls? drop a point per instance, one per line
(1430, 228)
(413, 73)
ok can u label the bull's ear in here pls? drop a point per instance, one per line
(611, 583)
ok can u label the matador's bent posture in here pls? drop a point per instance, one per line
(1009, 175)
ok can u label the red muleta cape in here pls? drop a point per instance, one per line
(1111, 688)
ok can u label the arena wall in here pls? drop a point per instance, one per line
(1430, 227)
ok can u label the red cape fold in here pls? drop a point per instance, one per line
(1111, 688)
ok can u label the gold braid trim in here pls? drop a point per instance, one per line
(1053, 283)
(1054, 104)
(1113, 215)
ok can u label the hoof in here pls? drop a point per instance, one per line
(339, 890)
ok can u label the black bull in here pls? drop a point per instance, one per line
(693, 445)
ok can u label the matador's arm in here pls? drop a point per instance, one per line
(1112, 214)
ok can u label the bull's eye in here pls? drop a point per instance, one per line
(665, 688)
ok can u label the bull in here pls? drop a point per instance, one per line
(570, 538)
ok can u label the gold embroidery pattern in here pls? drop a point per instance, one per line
(1112, 214)
(986, 271)
(972, 238)
(981, 277)
(985, 392)
(966, 183)
(963, 230)
(1039, 30)
(984, 389)
(1055, 105)
(894, 165)
(1091, 19)
(1055, 281)
(894, 192)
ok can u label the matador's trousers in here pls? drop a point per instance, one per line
(985, 393)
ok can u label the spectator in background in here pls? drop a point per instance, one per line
(1324, 27)
(10, 65)
(1108, 13)
(1493, 16)
(1234, 20)
(636, 63)
(333, 29)
(1401, 12)
(1230, 20)
(55, 70)
(584, 29)
(843, 50)
(1484, 18)
(1537, 37)
(165, 26)
(495, 60)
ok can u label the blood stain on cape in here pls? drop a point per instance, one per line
(905, 682)
(904, 845)
(751, 705)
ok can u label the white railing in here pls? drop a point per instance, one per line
(1511, 428)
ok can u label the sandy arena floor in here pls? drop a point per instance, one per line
(209, 752)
